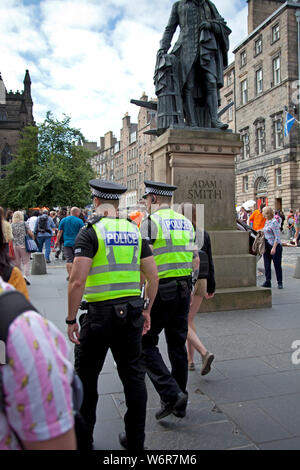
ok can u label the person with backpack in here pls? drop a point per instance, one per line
(43, 233)
(36, 377)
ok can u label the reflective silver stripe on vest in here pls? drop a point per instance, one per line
(174, 249)
(112, 287)
(174, 266)
(113, 268)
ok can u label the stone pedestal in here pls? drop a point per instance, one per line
(201, 163)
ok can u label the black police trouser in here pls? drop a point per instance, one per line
(169, 312)
(101, 329)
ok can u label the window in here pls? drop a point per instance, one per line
(245, 184)
(3, 116)
(243, 58)
(245, 150)
(278, 176)
(6, 156)
(230, 112)
(261, 185)
(244, 92)
(275, 33)
(260, 134)
(260, 140)
(258, 46)
(133, 137)
(278, 133)
(229, 79)
(276, 70)
(259, 81)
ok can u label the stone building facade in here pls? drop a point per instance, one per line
(127, 161)
(15, 114)
(264, 87)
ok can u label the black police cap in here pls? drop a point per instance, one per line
(159, 189)
(107, 189)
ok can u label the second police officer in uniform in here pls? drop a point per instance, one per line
(172, 238)
(110, 256)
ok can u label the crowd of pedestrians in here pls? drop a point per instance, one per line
(272, 224)
(138, 278)
(289, 224)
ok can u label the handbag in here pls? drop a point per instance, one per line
(12, 255)
(259, 246)
(30, 245)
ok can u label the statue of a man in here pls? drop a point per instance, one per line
(202, 54)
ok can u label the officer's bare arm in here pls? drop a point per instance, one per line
(80, 271)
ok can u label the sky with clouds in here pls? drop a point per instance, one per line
(88, 58)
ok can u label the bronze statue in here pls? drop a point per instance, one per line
(189, 79)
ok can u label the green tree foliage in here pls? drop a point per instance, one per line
(50, 168)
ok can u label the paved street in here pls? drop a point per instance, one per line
(250, 400)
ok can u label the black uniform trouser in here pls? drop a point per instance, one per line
(101, 329)
(169, 313)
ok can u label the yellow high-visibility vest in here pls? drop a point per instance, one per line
(115, 271)
(174, 246)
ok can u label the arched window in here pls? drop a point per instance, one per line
(6, 156)
(3, 115)
(261, 185)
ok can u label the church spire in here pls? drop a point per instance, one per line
(2, 91)
(27, 86)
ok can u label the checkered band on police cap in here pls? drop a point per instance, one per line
(108, 196)
(159, 192)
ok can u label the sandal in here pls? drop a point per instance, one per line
(191, 366)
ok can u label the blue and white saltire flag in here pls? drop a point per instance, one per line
(288, 124)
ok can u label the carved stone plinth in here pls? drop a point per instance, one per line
(202, 165)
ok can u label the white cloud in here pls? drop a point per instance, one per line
(88, 58)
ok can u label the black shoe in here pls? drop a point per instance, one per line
(280, 286)
(168, 408)
(267, 284)
(124, 443)
(48, 261)
(179, 413)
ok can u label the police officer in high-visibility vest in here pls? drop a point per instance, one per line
(172, 238)
(110, 256)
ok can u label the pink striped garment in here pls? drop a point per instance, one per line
(36, 381)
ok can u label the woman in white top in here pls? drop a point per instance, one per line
(20, 229)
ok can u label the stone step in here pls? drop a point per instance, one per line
(227, 242)
(235, 271)
(238, 299)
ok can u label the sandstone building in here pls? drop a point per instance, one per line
(263, 82)
(127, 161)
(15, 114)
